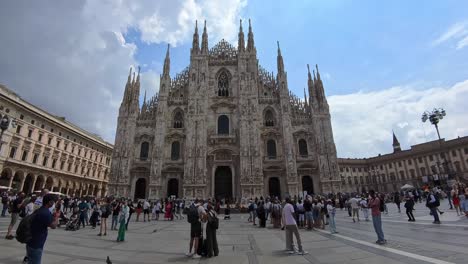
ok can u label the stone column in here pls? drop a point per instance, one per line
(22, 183)
(33, 184)
(11, 178)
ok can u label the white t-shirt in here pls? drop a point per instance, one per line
(288, 214)
(146, 205)
(158, 206)
(354, 203)
(29, 208)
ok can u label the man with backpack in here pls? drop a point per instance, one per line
(432, 202)
(376, 206)
(211, 227)
(41, 219)
(16, 207)
(195, 216)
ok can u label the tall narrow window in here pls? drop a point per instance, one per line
(12, 152)
(175, 150)
(178, 120)
(44, 161)
(269, 118)
(223, 84)
(18, 129)
(144, 150)
(35, 158)
(303, 148)
(25, 156)
(271, 149)
(223, 125)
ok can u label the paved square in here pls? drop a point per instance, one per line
(240, 242)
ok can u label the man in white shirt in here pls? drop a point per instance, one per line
(146, 211)
(291, 228)
(364, 208)
(355, 207)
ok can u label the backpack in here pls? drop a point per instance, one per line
(23, 232)
(251, 207)
(437, 201)
(4, 199)
(192, 216)
(382, 205)
(213, 221)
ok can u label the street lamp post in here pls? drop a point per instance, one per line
(434, 117)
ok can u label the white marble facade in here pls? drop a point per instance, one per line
(224, 127)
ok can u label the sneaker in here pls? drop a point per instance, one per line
(441, 213)
(189, 254)
(196, 256)
(302, 253)
(290, 252)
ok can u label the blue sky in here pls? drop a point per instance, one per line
(363, 45)
(382, 63)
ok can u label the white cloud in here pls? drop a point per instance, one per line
(71, 57)
(363, 121)
(457, 32)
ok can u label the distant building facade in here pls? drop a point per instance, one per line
(224, 127)
(426, 163)
(40, 150)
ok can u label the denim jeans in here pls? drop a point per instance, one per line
(115, 219)
(331, 222)
(435, 214)
(4, 209)
(34, 255)
(377, 221)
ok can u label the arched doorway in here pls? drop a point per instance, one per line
(39, 183)
(49, 184)
(16, 183)
(5, 177)
(27, 187)
(140, 189)
(223, 182)
(274, 189)
(307, 184)
(173, 187)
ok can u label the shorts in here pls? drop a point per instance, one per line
(146, 211)
(105, 215)
(308, 215)
(195, 229)
(14, 218)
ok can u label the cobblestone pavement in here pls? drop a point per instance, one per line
(240, 242)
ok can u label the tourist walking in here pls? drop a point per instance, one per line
(123, 216)
(211, 227)
(16, 207)
(168, 210)
(106, 210)
(290, 227)
(5, 202)
(276, 213)
(332, 212)
(115, 214)
(301, 212)
(83, 207)
(308, 211)
(131, 210)
(397, 201)
(43, 219)
(376, 206)
(261, 214)
(146, 211)
(355, 207)
(455, 199)
(432, 202)
(365, 208)
(195, 216)
(139, 210)
(409, 205)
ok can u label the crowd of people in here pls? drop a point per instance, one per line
(291, 214)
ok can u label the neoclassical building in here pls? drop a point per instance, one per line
(40, 150)
(432, 162)
(224, 127)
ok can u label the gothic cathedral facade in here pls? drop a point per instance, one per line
(224, 127)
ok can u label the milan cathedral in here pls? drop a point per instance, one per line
(224, 127)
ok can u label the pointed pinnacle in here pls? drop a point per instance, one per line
(196, 26)
(279, 50)
(240, 25)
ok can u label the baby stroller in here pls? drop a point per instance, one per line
(63, 219)
(74, 223)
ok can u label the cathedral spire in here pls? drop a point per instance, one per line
(305, 96)
(310, 85)
(195, 43)
(250, 40)
(396, 143)
(138, 77)
(204, 45)
(279, 61)
(241, 42)
(167, 64)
